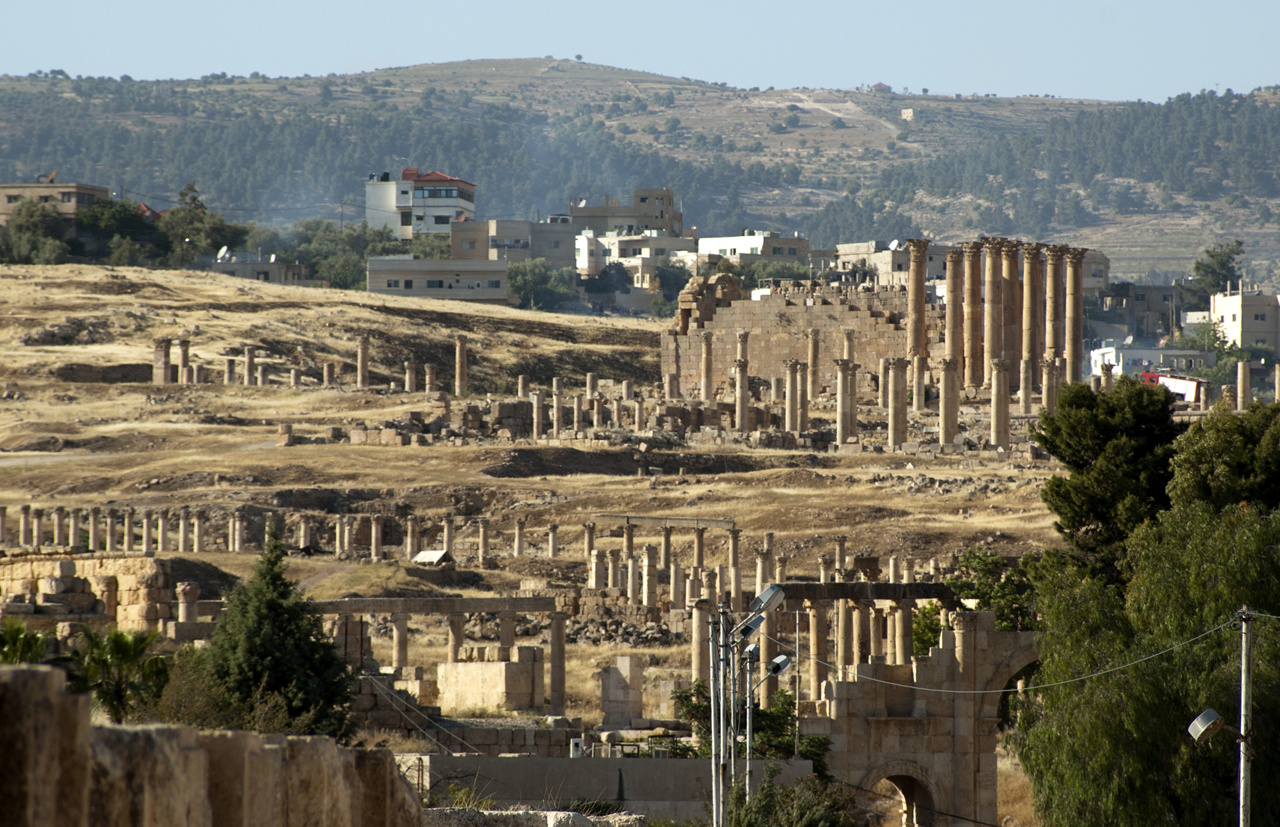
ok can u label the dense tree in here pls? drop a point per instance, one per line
(270, 642)
(534, 284)
(35, 235)
(115, 668)
(1213, 272)
(1113, 749)
(18, 645)
(193, 230)
(1117, 447)
(1229, 458)
(810, 803)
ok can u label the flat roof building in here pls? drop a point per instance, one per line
(650, 209)
(475, 280)
(507, 240)
(67, 199)
(418, 203)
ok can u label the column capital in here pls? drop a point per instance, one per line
(813, 332)
(744, 335)
(1009, 249)
(1074, 255)
(947, 364)
(898, 363)
(955, 256)
(741, 364)
(735, 532)
(1050, 365)
(1032, 249)
(459, 338)
(993, 244)
(918, 248)
(1053, 252)
(1000, 364)
(972, 250)
(587, 526)
(553, 527)
(842, 365)
(706, 337)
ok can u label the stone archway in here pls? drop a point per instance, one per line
(914, 783)
(1012, 662)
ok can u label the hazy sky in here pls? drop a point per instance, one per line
(1112, 49)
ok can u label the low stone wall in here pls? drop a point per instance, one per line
(668, 788)
(57, 769)
(135, 591)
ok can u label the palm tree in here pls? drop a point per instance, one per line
(17, 645)
(116, 669)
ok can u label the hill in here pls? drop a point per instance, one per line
(535, 134)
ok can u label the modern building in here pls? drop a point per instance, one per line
(270, 272)
(890, 260)
(1247, 318)
(757, 245)
(650, 209)
(507, 240)
(418, 203)
(1135, 360)
(67, 199)
(641, 254)
(473, 280)
(1149, 310)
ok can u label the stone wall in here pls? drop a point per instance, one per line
(55, 769)
(134, 591)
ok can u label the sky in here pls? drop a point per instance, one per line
(1102, 49)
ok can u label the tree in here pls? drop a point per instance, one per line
(671, 279)
(36, 233)
(1212, 273)
(1113, 749)
(192, 230)
(1229, 458)
(810, 803)
(17, 645)
(536, 285)
(1117, 447)
(998, 587)
(116, 669)
(271, 641)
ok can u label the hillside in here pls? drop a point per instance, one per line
(535, 134)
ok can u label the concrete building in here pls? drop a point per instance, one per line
(418, 203)
(756, 245)
(67, 199)
(650, 209)
(1148, 310)
(270, 272)
(1135, 360)
(640, 253)
(890, 260)
(506, 240)
(476, 280)
(1248, 318)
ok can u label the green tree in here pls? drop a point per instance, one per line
(17, 645)
(1228, 458)
(535, 285)
(116, 669)
(810, 803)
(270, 641)
(998, 587)
(36, 233)
(193, 230)
(1113, 749)
(1117, 447)
(1212, 273)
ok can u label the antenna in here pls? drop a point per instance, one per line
(222, 253)
(895, 244)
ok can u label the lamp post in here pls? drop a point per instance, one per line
(776, 667)
(1209, 723)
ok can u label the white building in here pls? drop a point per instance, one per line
(476, 280)
(418, 203)
(756, 245)
(1248, 318)
(1135, 360)
(641, 254)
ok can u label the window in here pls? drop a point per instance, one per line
(13, 199)
(659, 252)
(437, 284)
(406, 219)
(591, 253)
(635, 251)
(441, 219)
(755, 251)
(393, 282)
(791, 251)
(644, 200)
(1233, 317)
(264, 275)
(408, 284)
(68, 197)
(469, 244)
(777, 251)
(1259, 317)
(555, 244)
(1139, 297)
(605, 252)
(495, 284)
(45, 199)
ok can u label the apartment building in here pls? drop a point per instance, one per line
(757, 245)
(650, 209)
(418, 203)
(891, 260)
(641, 254)
(1247, 318)
(507, 240)
(67, 199)
(469, 280)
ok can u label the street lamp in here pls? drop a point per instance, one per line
(1209, 723)
(776, 667)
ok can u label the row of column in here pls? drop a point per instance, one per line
(110, 529)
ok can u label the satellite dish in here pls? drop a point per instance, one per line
(222, 254)
(893, 245)
(273, 258)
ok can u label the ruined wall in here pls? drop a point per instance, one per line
(57, 769)
(779, 325)
(134, 591)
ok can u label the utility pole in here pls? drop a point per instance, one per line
(1246, 710)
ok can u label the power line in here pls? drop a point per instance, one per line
(1099, 673)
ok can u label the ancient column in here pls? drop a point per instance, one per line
(897, 402)
(597, 412)
(706, 366)
(917, 331)
(593, 384)
(375, 538)
(536, 399)
(429, 379)
(948, 401)
(553, 543)
(842, 401)
(457, 634)
(1030, 322)
(640, 413)
(188, 595)
(1243, 391)
(412, 540)
(905, 644)
(555, 685)
(399, 640)
(700, 654)
(792, 419)
(111, 531)
(824, 568)
(127, 530)
(304, 533)
(588, 539)
(262, 376)
(811, 389)
(94, 522)
(992, 309)
(699, 547)
(954, 308)
(522, 386)
(37, 529)
(482, 541)
(328, 373)
(460, 385)
(633, 580)
(517, 544)
(877, 625)
(851, 391)
(1074, 331)
(1052, 300)
(162, 530)
(446, 529)
(228, 371)
(678, 600)
(250, 371)
(817, 646)
(884, 384)
(844, 639)
(629, 538)
(740, 392)
(777, 391)
(597, 569)
(197, 532)
(650, 584)
(1000, 403)
(557, 414)
(239, 532)
(147, 525)
(1049, 384)
(1011, 295)
(743, 337)
(59, 536)
(160, 364)
(711, 585)
(577, 414)
(184, 355)
(863, 615)
(735, 571)
(839, 561)
(917, 384)
(3, 516)
(411, 377)
(295, 377)
(507, 629)
(664, 551)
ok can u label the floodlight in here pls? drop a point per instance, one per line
(752, 653)
(778, 665)
(749, 626)
(767, 600)
(1205, 726)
